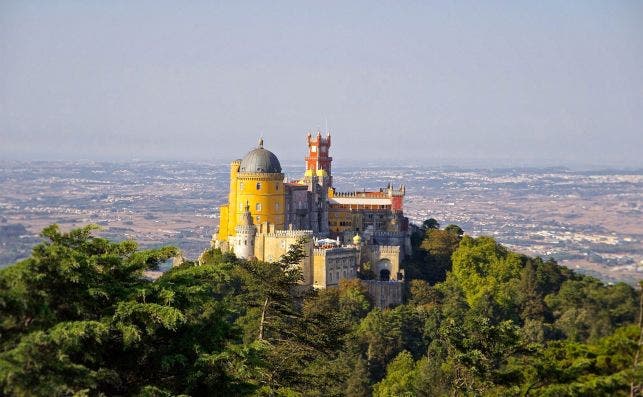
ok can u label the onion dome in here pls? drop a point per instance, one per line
(260, 160)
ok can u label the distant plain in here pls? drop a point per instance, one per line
(591, 221)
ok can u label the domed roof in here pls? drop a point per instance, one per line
(260, 160)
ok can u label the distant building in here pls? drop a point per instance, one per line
(266, 214)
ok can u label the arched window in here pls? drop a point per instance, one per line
(240, 185)
(258, 185)
(258, 218)
(258, 206)
(276, 186)
(277, 206)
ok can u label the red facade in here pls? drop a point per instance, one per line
(318, 153)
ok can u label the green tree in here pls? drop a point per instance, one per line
(483, 268)
(358, 384)
(399, 378)
(584, 308)
(430, 224)
(454, 229)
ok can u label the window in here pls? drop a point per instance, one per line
(277, 206)
(258, 206)
(276, 186)
(258, 185)
(313, 149)
(258, 218)
(240, 185)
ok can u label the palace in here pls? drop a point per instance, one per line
(265, 214)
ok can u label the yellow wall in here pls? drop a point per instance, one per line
(319, 271)
(270, 248)
(232, 200)
(270, 195)
(223, 222)
(340, 220)
(243, 189)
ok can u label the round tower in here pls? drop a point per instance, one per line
(244, 238)
(260, 183)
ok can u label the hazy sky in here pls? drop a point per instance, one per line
(517, 82)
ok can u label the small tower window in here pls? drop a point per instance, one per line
(258, 206)
(240, 185)
(276, 186)
(277, 206)
(258, 185)
(258, 218)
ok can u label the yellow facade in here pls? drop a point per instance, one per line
(340, 220)
(263, 192)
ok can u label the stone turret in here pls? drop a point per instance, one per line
(244, 239)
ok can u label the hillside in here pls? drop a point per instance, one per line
(78, 318)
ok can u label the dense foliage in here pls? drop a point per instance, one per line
(80, 318)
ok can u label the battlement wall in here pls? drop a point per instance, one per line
(260, 176)
(333, 251)
(361, 194)
(388, 234)
(386, 249)
(384, 294)
(289, 233)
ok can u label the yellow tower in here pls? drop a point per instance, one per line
(256, 181)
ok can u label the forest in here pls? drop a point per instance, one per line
(78, 318)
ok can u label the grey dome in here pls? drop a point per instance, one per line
(260, 160)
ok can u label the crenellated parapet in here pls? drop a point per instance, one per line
(260, 176)
(289, 233)
(385, 249)
(389, 234)
(334, 251)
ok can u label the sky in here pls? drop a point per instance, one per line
(408, 82)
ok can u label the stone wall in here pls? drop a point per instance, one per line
(384, 294)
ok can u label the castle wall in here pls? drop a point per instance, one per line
(270, 246)
(264, 192)
(383, 257)
(384, 294)
(334, 264)
(223, 222)
(298, 207)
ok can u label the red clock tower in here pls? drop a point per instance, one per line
(318, 158)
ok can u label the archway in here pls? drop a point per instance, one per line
(383, 269)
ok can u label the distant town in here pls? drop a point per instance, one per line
(588, 221)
